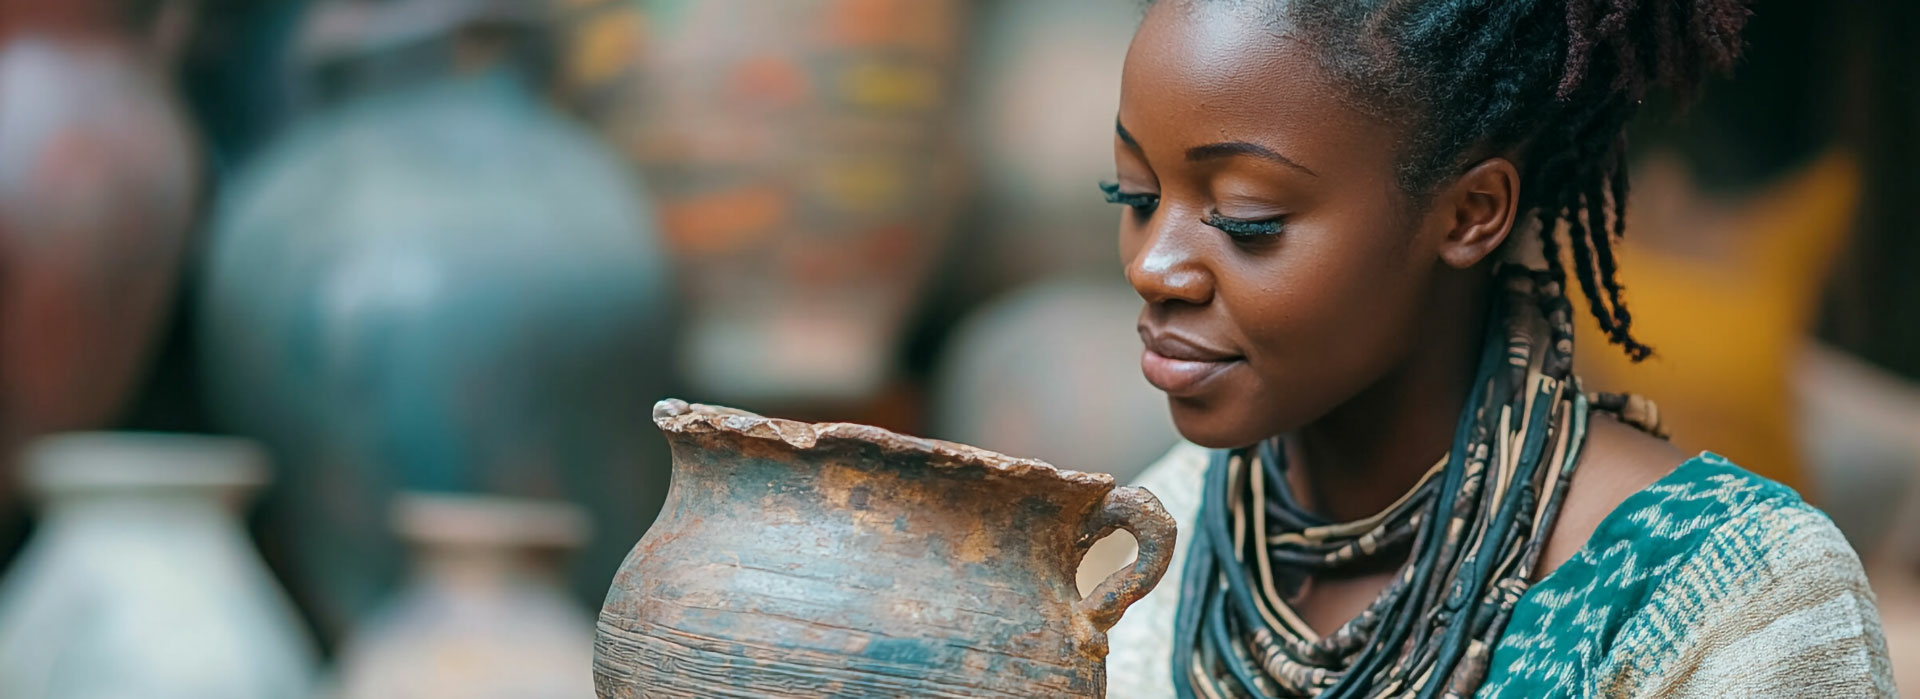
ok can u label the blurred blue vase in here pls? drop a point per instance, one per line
(442, 287)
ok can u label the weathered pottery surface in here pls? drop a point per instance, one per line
(800, 560)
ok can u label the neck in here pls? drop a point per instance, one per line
(1361, 457)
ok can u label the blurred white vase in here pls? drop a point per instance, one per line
(484, 614)
(141, 581)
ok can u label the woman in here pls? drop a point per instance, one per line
(1347, 220)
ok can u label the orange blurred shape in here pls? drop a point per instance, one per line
(870, 23)
(720, 222)
(769, 79)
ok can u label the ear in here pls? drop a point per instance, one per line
(1478, 209)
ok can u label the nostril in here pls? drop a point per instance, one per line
(1168, 266)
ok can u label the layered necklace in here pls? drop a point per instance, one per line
(1471, 532)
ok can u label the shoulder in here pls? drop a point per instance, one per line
(1706, 523)
(1772, 602)
(1712, 581)
(1617, 462)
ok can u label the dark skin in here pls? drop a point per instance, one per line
(1293, 287)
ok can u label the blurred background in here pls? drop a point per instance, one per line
(329, 329)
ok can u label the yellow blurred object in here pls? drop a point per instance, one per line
(604, 46)
(882, 85)
(868, 184)
(1725, 292)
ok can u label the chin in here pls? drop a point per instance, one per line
(1214, 425)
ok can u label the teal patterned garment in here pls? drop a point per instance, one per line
(1712, 582)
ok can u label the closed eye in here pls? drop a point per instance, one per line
(1141, 203)
(1241, 228)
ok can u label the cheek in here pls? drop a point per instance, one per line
(1326, 313)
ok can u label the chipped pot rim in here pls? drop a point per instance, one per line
(676, 416)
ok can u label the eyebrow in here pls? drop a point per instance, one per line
(1226, 149)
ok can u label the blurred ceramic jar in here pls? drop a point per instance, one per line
(803, 154)
(141, 582)
(437, 285)
(483, 614)
(98, 181)
(1044, 85)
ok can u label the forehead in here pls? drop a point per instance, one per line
(1202, 71)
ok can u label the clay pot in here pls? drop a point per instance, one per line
(141, 581)
(1041, 82)
(484, 614)
(445, 287)
(804, 156)
(799, 560)
(98, 180)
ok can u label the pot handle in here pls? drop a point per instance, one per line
(1140, 513)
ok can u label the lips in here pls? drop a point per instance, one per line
(1180, 365)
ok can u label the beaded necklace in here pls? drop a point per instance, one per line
(1472, 530)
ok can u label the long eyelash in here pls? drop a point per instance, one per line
(1140, 202)
(1242, 228)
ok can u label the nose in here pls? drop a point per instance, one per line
(1168, 266)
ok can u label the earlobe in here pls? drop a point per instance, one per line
(1484, 200)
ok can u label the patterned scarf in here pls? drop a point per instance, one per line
(1471, 532)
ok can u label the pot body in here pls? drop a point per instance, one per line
(98, 180)
(1039, 74)
(804, 160)
(442, 287)
(483, 615)
(843, 560)
(141, 581)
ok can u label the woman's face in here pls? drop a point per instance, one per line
(1282, 266)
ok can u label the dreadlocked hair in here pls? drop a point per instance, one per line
(1553, 82)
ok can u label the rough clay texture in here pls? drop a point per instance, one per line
(796, 560)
